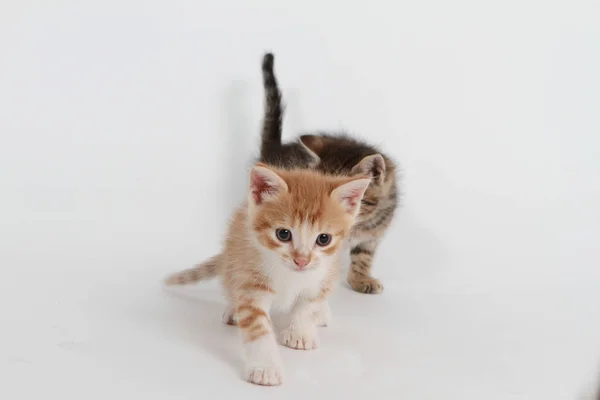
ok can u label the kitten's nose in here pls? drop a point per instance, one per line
(301, 262)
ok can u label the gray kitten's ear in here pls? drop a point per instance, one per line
(308, 143)
(373, 165)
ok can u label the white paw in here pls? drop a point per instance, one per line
(265, 375)
(300, 340)
(264, 365)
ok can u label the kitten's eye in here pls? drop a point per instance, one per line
(323, 239)
(284, 235)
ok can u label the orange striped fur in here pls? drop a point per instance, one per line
(262, 270)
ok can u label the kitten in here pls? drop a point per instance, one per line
(341, 155)
(281, 253)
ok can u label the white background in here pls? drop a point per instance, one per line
(127, 128)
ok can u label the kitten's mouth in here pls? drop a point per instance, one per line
(300, 269)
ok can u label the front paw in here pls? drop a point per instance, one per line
(300, 340)
(271, 375)
(365, 284)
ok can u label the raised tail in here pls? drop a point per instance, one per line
(203, 271)
(273, 114)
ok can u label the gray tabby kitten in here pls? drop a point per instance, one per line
(337, 154)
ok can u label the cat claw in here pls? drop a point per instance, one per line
(265, 376)
(299, 340)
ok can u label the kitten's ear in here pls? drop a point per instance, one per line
(265, 184)
(373, 165)
(350, 194)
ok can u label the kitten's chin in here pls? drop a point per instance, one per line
(300, 270)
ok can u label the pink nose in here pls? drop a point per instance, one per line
(301, 261)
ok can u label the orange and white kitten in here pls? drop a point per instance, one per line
(282, 254)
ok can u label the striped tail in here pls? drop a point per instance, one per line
(203, 271)
(273, 114)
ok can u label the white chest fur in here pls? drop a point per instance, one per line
(289, 285)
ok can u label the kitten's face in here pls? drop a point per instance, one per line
(301, 244)
(301, 217)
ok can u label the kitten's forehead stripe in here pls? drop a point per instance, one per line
(307, 204)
